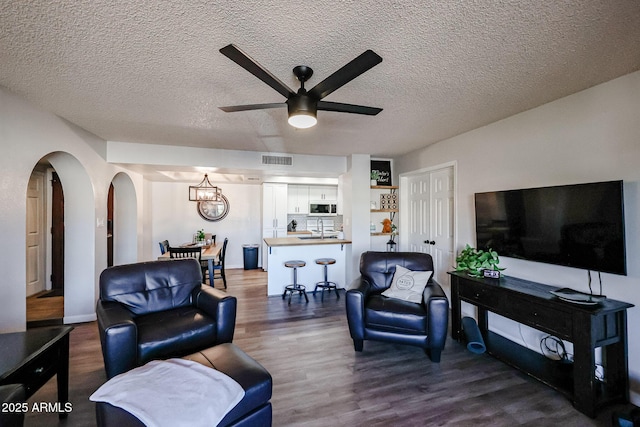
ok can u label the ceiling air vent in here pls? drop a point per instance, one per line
(277, 160)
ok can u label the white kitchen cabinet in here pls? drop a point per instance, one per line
(274, 205)
(298, 199)
(274, 213)
(323, 192)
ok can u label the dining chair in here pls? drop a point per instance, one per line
(219, 266)
(210, 237)
(190, 252)
(164, 246)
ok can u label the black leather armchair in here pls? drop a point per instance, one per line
(372, 316)
(157, 310)
(12, 393)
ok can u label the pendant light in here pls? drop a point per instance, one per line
(204, 191)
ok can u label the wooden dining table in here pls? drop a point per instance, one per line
(209, 254)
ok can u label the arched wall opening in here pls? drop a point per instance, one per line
(125, 216)
(80, 238)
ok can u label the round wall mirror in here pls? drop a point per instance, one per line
(213, 210)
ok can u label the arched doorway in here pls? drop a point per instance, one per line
(45, 250)
(75, 261)
(124, 217)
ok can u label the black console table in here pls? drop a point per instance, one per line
(587, 327)
(32, 357)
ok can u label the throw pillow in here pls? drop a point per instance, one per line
(408, 285)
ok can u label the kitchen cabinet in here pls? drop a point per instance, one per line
(274, 206)
(323, 192)
(281, 250)
(274, 213)
(298, 199)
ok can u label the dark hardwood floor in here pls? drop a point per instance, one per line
(319, 380)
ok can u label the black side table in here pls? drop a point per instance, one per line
(32, 357)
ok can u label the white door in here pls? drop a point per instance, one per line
(419, 190)
(430, 203)
(35, 234)
(441, 242)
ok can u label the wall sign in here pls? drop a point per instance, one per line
(381, 171)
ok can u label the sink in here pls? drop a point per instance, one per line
(316, 237)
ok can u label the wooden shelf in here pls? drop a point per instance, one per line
(377, 233)
(384, 187)
(385, 210)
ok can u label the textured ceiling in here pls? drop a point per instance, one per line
(151, 72)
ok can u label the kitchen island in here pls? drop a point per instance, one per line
(307, 249)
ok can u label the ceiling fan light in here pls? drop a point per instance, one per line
(302, 120)
(302, 111)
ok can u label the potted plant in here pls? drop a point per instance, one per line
(391, 244)
(375, 175)
(473, 261)
(200, 235)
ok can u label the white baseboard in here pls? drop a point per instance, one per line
(82, 318)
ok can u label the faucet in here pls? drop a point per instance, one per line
(321, 222)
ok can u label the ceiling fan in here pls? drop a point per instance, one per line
(303, 105)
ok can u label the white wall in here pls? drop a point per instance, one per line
(28, 134)
(175, 218)
(591, 136)
(357, 211)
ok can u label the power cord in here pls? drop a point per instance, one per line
(552, 347)
(558, 349)
(524, 342)
(589, 283)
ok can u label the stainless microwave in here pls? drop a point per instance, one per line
(323, 208)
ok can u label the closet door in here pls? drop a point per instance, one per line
(430, 207)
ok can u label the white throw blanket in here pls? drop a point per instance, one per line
(173, 392)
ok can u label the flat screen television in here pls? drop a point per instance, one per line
(579, 226)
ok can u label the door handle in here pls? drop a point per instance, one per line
(430, 242)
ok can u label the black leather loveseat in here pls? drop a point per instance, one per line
(373, 316)
(157, 310)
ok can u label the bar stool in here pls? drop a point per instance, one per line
(295, 286)
(326, 284)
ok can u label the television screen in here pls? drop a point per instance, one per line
(578, 226)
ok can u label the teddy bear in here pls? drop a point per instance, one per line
(386, 225)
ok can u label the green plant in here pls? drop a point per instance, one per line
(473, 261)
(394, 232)
(200, 234)
(375, 175)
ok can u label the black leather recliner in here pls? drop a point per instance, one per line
(157, 310)
(372, 316)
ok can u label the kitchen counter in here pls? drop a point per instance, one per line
(297, 241)
(282, 249)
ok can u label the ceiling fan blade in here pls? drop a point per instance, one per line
(245, 61)
(248, 107)
(348, 108)
(344, 75)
